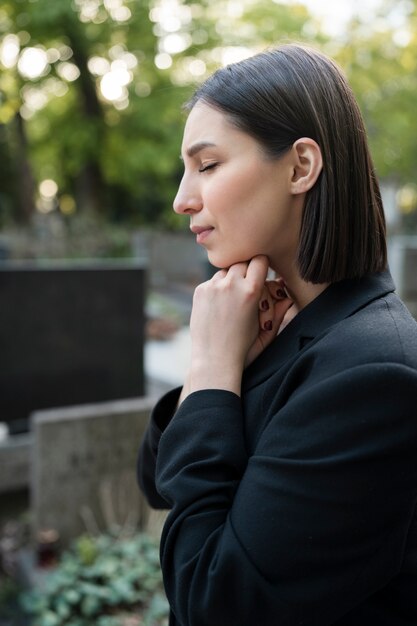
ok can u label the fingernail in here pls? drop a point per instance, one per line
(268, 325)
(264, 305)
(281, 293)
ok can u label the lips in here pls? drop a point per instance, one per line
(202, 232)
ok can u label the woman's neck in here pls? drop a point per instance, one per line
(300, 291)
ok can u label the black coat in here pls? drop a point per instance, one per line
(296, 504)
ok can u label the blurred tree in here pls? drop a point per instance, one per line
(380, 59)
(7, 177)
(91, 92)
(381, 63)
(97, 87)
(67, 79)
(18, 183)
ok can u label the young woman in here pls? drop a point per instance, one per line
(289, 458)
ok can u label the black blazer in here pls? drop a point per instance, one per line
(296, 504)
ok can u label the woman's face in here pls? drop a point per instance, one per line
(238, 200)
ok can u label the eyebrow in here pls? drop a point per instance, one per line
(197, 147)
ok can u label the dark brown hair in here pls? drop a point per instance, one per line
(281, 95)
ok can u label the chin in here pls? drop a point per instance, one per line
(223, 261)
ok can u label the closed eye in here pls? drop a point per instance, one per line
(210, 166)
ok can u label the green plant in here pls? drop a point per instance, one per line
(9, 595)
(103, 581)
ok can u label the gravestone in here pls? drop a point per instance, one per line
(70, 333)
(402, 256)
(83, 474)
(14, 463)
(409, 288)
(159, 248)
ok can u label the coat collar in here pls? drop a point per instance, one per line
(338, 301)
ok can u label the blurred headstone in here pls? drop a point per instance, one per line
(410, 277)
(402, 256)
(172, 257)
(14, 463)
(70, 333)
(84, 468)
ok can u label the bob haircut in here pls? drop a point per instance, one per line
(293, 91)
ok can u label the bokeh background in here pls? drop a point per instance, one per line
(91, 94)
(91, 120)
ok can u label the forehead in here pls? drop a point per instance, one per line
(208, 125)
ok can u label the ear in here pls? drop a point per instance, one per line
(307, 165)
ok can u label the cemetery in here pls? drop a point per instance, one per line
(76, 397)
(97, 273)
(75, 400)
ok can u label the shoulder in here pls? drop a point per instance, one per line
(383, 332)
(353, 385)
(364, 361)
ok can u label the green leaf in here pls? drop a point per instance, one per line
(158, 609)
(49, 619)
(63, 609)
(72, 596)
(90, 606)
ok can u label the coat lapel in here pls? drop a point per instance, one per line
(338, 301)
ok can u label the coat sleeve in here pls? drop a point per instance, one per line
(148, 451)
(311, 524)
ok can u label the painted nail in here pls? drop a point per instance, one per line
(268, 325)
(281, 293)
(264, 305)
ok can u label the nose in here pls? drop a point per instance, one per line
(188, 200)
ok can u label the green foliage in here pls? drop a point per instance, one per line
(383, 73)
(102, 581)
(9, 598)
(121, 161)
(121, 158)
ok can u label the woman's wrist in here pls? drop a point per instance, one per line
(203, 376)
(185, 390)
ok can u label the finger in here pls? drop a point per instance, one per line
(266, 313)
(276, 289)
(268, 332)
(271, 325)
(266, 301)
(258, 269)
(219, 275)
(238, 270)
(280, 309)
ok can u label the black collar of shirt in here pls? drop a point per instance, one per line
(337, 302)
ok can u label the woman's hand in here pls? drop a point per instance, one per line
(235, 316)
(274, 314)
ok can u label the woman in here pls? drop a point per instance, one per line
(289, 458)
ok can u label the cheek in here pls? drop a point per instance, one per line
(229, 187)
(246, 202)
(232, 205)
